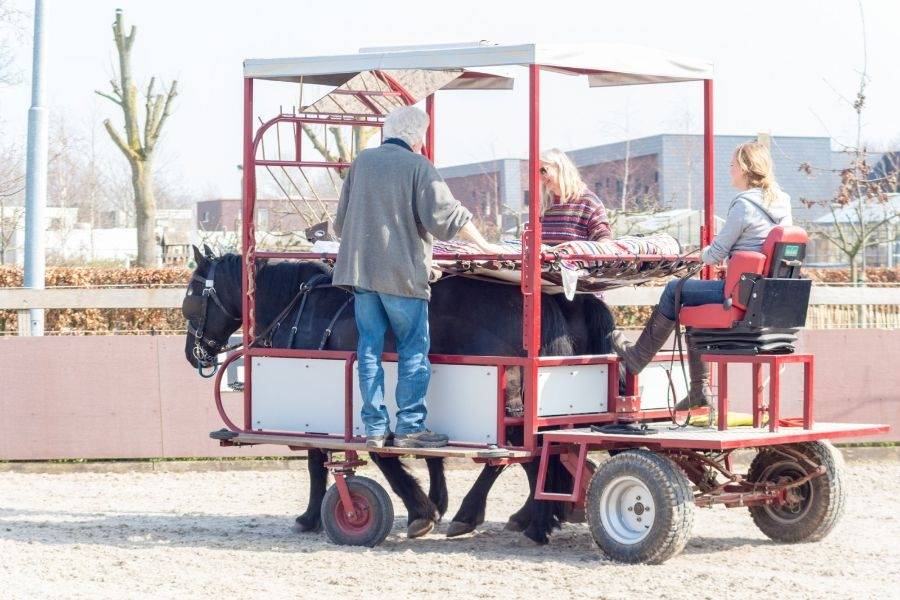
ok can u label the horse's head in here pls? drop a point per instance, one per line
(211, 306)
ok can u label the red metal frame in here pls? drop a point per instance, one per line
(774, 362)
(532, 259)
(572, 450)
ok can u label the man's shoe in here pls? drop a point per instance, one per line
(420, 439)
(379, 441)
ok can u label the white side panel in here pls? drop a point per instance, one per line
(307, 395)
(462, 402)
(298, 395)
(653, 386)
(573, 390)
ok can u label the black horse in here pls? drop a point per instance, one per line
(466, 316)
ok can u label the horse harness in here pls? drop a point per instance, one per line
(206, 350)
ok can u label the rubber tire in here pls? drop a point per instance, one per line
(374, 499)
(672, 496)
(829, 494)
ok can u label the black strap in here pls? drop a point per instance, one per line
(308, 287)
(334, 320)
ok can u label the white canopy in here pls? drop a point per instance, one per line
(604, 64)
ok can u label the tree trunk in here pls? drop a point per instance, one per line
(145, 209)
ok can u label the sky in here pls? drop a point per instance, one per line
(780, 67)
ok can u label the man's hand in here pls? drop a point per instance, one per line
(471, 233)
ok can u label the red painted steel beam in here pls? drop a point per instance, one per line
(709, 215)
(429, 135)
(248, 241)
(531, 260)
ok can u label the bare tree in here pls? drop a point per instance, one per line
(138, 146)
(12, 29)
(861, 208)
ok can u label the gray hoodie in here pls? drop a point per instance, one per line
(748, 223)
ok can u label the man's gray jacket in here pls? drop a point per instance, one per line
(392, 205)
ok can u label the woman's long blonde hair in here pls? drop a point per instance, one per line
(755, 162)
(571, 186)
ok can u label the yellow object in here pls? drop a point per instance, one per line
(735, 419)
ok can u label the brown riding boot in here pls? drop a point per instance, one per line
(699, 392)
(637, 355)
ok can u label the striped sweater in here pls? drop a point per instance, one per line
(581, 219)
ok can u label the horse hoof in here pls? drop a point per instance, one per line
(458, 528)
(513, 525)
(302, 525)
(539, 538)
(419, 527)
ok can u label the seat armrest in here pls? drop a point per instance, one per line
(742, 261)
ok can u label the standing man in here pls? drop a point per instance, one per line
(392, 205)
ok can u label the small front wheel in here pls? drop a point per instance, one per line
(367, 523)
(808, 512)
(640, 507)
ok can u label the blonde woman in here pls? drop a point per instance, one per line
(571, 211)
(760, 206)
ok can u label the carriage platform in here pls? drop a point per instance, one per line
(233, 438)
(665, 435)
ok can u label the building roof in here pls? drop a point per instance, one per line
(604, 64)
(873, 211)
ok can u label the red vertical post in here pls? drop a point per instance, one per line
(531, 263)
(757, 394)
(429, 135)
(723, 395)
(709, 215)
(774, 394)
(808, 374)
(248, 183)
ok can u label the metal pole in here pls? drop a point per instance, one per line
(36, 174)
(709, 214)
(531, 261)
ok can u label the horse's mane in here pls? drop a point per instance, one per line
(276, 282)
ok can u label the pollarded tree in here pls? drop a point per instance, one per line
(139, 143)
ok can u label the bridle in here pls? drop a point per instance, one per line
(205, 350)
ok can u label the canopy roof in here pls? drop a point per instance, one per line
(604, 64)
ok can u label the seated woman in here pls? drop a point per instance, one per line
(570, 211)
(760, 206)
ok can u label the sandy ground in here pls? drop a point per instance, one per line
(226, 534)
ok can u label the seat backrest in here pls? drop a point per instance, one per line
(785, 249)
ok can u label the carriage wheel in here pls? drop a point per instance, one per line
(639, 507)
(810, 511)
(372, 519)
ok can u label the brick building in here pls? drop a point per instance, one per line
(658, 172)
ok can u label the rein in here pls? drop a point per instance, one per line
(208, 358)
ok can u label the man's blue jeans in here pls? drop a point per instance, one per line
(408, 319)
(694, 293)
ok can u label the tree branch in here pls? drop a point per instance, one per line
(108, 97)
(124, 147)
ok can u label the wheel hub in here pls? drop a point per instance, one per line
(627, 510)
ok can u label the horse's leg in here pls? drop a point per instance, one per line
(437, 484)
(311, 520)
(520, 519)
(544, 513)
(471, 513)
(422, 513)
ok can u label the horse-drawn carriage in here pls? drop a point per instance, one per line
(527, 398)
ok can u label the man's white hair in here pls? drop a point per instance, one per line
(407, 123)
